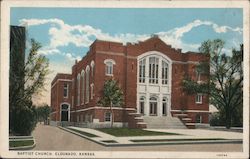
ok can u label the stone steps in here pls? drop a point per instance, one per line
(163, 122)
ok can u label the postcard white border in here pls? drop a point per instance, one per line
(4, 71)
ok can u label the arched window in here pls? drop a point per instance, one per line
(83, 83)
(153, 69)
(164, 106)
(109, 67)
(142, 69)
(92, 68)
(164, 72)
(87, 84)
(78, 89)
(107, 117)
(142, 105)
(153, 106)
(92, 91)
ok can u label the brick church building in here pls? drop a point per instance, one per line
(150, 74)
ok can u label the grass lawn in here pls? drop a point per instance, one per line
(109, 141)
(83, 133)
(21, 143)
(162, 140)
(120, 132)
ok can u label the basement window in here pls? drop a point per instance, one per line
(107, 117)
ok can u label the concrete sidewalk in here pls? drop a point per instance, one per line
(185, 134)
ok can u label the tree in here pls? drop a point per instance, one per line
(225, 80)
(43, 113)
(33, 75)
(112, 96)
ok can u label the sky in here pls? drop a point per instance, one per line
(67, 33)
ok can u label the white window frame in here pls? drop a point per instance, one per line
(198, 76)
(153, 72)
(164, 67)
(109, 68)
(142, 70)
(198, 98)
(165, 101)
(153, 99)
(87, 84)
(92, 91)
(67, 90)
(142, 100)
(83, 84)
(92, 68)
(78, 88)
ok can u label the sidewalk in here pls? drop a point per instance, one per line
(189, 136)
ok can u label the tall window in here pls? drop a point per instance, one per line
(65, 90)
(87, 84)
(142, 69)
(153, 69)
(109, 68)
(78, 89)
(198, 76)
(107, 117)
(164, 72)
(83, 83)
(198, 98)
(92, 68)
(142, 105)
(92, 91)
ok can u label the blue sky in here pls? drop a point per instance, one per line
(66, 33)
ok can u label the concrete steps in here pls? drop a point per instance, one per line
(155, 122)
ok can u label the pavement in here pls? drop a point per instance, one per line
(231, 137)
(50, 138)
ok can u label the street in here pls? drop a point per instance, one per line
(49, 138)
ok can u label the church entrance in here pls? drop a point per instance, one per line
(64, 112)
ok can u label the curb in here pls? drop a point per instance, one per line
(155, 143)
(23, 147)
(86, 137)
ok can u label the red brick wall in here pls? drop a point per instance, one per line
(125, 71)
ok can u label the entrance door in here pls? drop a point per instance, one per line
(142, 103)
(164, 107)
(64, 112)
(153, 106)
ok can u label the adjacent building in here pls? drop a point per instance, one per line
(150, 74)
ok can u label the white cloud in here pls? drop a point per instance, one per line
(81, 35)
(62, 34)
(71, 57)
(48, 51)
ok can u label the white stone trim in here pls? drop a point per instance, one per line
(148, 92)
(191, 111)
(109, 60)
(68, 110)
(185, 62)
(62, 80)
